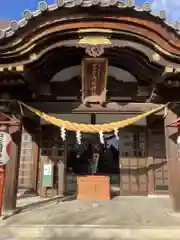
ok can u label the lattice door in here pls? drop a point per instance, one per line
(159, 161)
(26, 162)
(133, 162)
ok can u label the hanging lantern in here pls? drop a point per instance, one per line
(63, 133)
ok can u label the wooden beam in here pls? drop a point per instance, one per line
(12, 171)
(171, 134)
(77, 107)
(31, 80)
(6, 116)
(8, 122)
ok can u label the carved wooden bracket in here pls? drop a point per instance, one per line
(94, 51)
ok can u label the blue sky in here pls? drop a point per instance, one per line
(12, 9)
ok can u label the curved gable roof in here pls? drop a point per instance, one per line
(43, 7)
(48, 25)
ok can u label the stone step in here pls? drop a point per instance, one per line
(89, 232)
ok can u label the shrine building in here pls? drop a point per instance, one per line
(91, 62)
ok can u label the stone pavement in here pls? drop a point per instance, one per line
(120, 218)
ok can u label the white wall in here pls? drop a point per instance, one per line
(74, 71)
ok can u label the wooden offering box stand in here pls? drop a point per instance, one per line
(93, 187)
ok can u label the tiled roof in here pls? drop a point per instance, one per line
(44, 7)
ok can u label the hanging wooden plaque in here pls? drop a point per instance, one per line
(94, 80)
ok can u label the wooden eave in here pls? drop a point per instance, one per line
(127, 25)
(35, 51)
(139, 26)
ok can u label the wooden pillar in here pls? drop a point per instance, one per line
(150, 160)
(35, 160)
(62, 173)
(171, 134)
(12, 171)
(36, 143)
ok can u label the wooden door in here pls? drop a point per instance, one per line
(133, 162)
(52, 150)
(160, 166)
